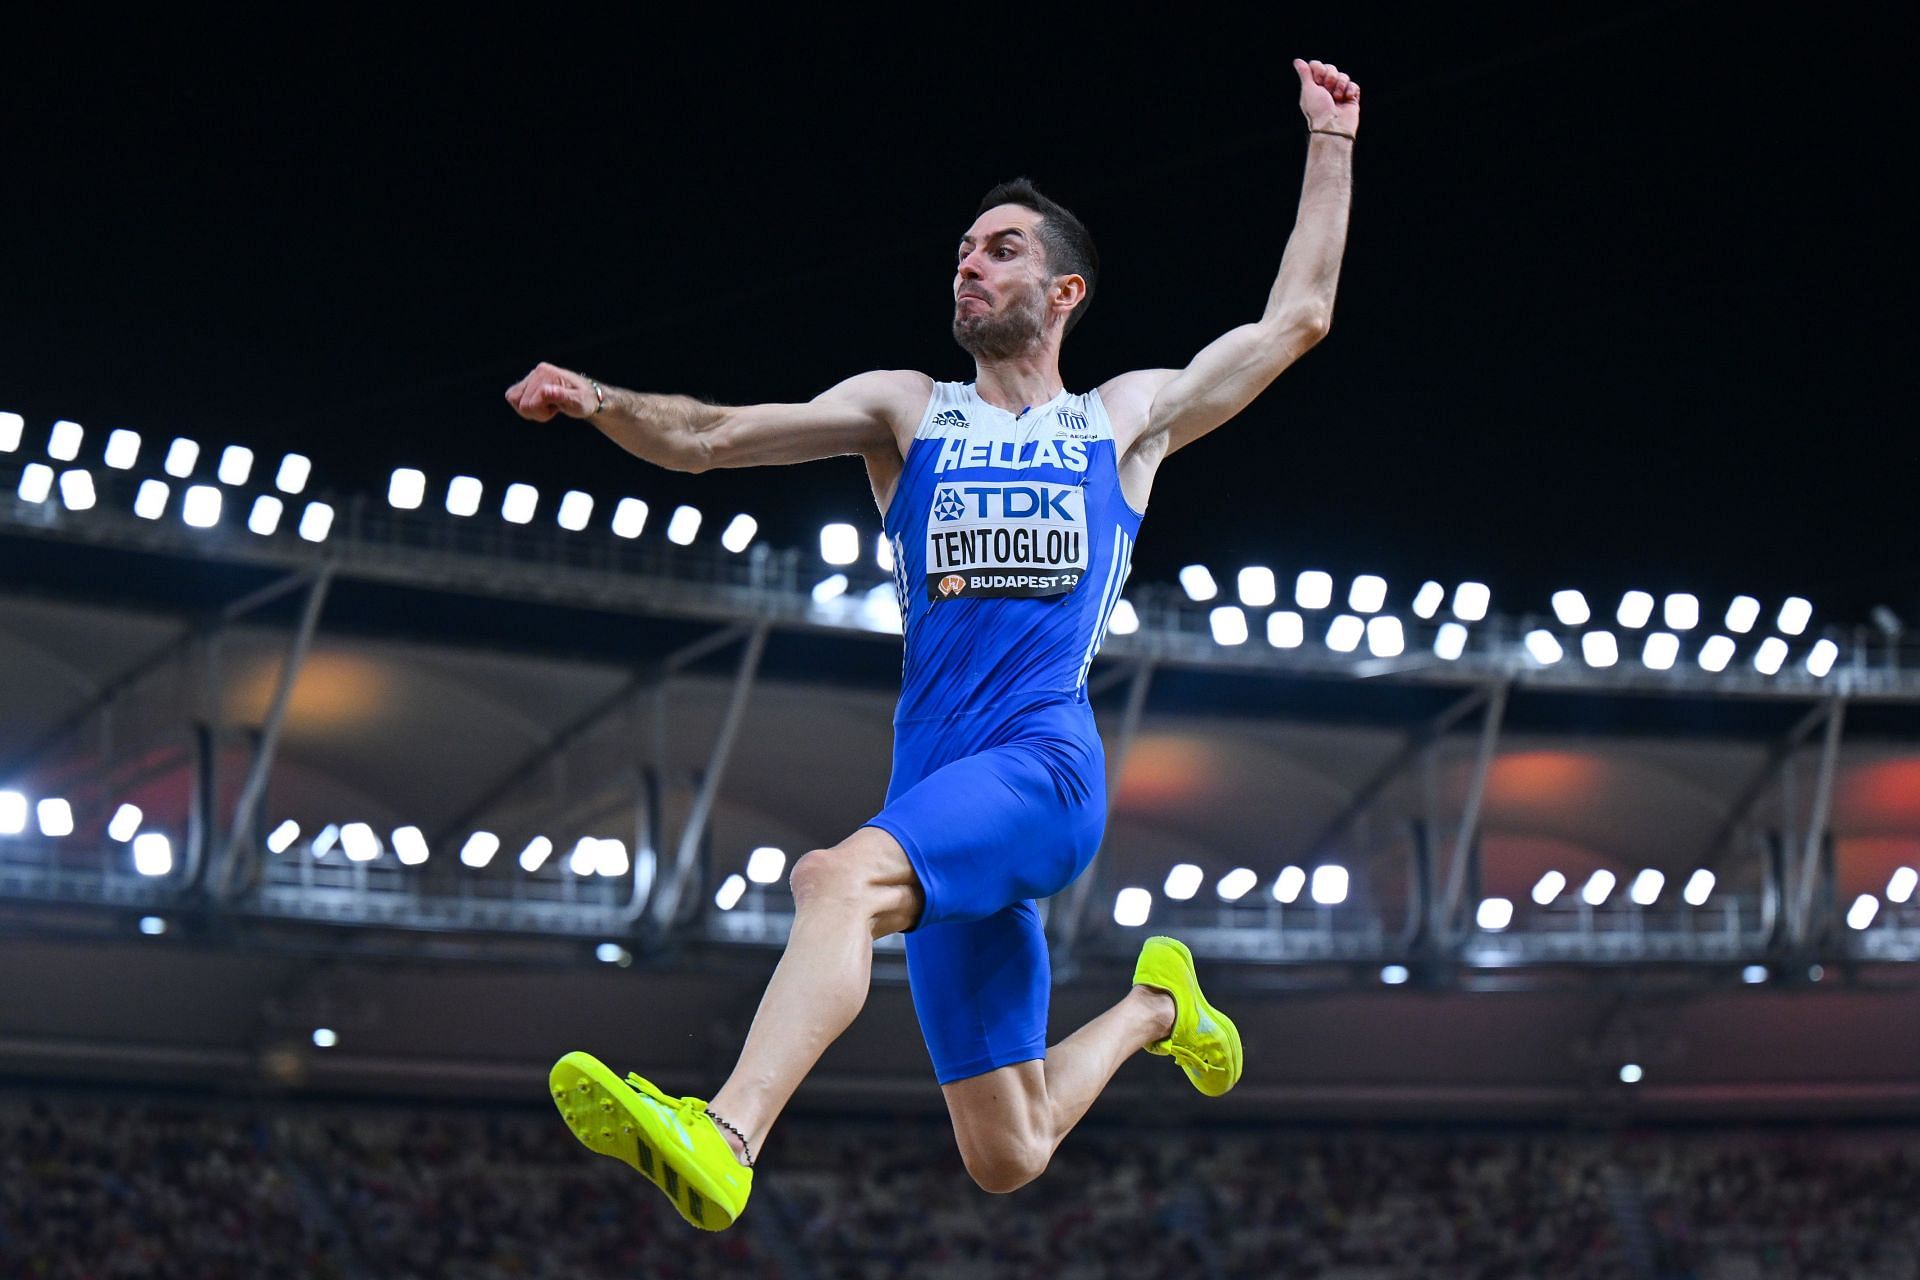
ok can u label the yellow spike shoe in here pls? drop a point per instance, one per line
(1204, 1042)
(670, 1141)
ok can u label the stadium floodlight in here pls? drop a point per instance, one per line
(1494, 914)
(283, 836)
(1716, 653)
(839, 543)
(410, 845)
(629, 518)
(585, 858)
(1598, 886)
(1754, 974)
(152, 854)
(56, 817)
(1661, 651)
(576, 511)
(76, 490)
(683, 526)
(1771, 656)
(325, 1037)
(463, 495)
(1742, 614)
(200, 506)
(1471, 601)
(1635, 608)
(1795, 613)
(1197, 581)
(152, 926)
(1256, 586)
(1645, 889)
(738, 535)
(359, 843)
(1183, 881)
(1131, 907)
(1549, 887)
(611, 858)
(1236, 884)
(1394, 975)
(265, 516)
(236, 465)
(1344, 633)
(830, 588)
(1543, 648)
(1451, 642)
(1599, 648)
(1428, 599)
(125, 823)
(1288, 884)
(1124, 621)
(1681, 611)
(13, 813)
(535, 854)
(612, 953)
(63, 445)
(406, 489)
(1571, 608)
(1821, 657)
(883, 552)
(183, 455)
(1862, 912)
(731, 888)
(1330, 884)
(479, 849)
(1385, 637)
(12, 427)
(519, 504)
(1286, 629)
(36, 482)
(292, 476)
(1229, 624)
(1699, 888)
(123, 449)
(1901, 886)
(316, 522)
(323, 843)
(1631, 1073)
(1368, 594)
(1313, 589)
(765, 864)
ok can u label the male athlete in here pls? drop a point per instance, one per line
(1012, 507)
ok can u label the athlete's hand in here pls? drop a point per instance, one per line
(1329, 98)
(548, 390)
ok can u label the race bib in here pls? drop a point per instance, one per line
(1005, 540)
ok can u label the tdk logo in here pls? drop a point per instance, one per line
(1011, 455)
(947, 505)
(949, 418)
(1007, 502)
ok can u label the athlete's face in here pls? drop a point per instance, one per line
(1000, 284)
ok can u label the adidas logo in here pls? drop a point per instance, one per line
(949, 418)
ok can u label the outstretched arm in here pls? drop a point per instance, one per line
(863, 415)
(1169, 408)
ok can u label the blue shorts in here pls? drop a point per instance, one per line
(995, 809)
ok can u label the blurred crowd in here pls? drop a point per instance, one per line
(94, 1189)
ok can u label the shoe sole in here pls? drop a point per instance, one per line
(1236, 1056)
(608, 1119)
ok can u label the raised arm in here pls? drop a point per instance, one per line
(868, 414)
(1157, 411)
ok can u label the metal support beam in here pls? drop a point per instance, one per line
(1073, 912)
(1779, 758)
(1465, 842)
(1817, 813)
(668, 892)
(253, 790)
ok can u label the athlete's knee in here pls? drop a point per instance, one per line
(1005, 1163)
(852, 879)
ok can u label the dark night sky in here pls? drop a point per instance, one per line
(1626, 298)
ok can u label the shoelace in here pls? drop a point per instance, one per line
(690, 1110)
(1195, 1058)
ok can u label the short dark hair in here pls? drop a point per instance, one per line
(1069, 248)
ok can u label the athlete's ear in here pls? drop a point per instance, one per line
(1066, 292)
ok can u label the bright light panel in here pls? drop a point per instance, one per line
(683, 525)
(1645, 889)
(1754, 974)
(1368, 594)
(728, 896)
(1183, 881)
(1571, 608)
(519, 504)
(1229, 624)
(1862, 912)
(611, 953)
(738, 535)
(629, 518)
(1494, 914)
(1716, 653)
(1236, 884)
(611, 858)
(1197, 581)
(1771, 657)
(830, 588)
(1661, 651)
(585, 858)
(1131, 907)
(1549, 887)
(1427, 600)
(152, 854)
(1681, 611)
(1451, 642)
(839, 543)
(463, 495)
(410, 845)
(1598, 886)
(1599, 648)
(883, 553)
(1286, 629)
(1330, 885)
(1742, 614)
(1124, 621)
(283, 836)
(316, 522)
(323, 843)
(76, 490)
(1385, 638)
(1343, 635)
(123, 449)
(576, 511)
(1699, 888)
(1795, 613)
(1256, 586)
(325, 1037)
(182, 456)
(1635, 608)
(1471, 601)
(406, 489)
(36, 482)
(292, 476)
(266, 513)
(125, 824)
(1630, 1073)
(63, 445)
(236, 464)
(1288, 884)
(1902, 885)
(1313, 589)
(535, 854)
(56, 817)
(1545, 649)
(152, 926)
(1394, 975)
(13, 813)
(12, 427)
(765, 864)
(1821, 657)
(479, 849)
(359, 843)
(200, 506)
